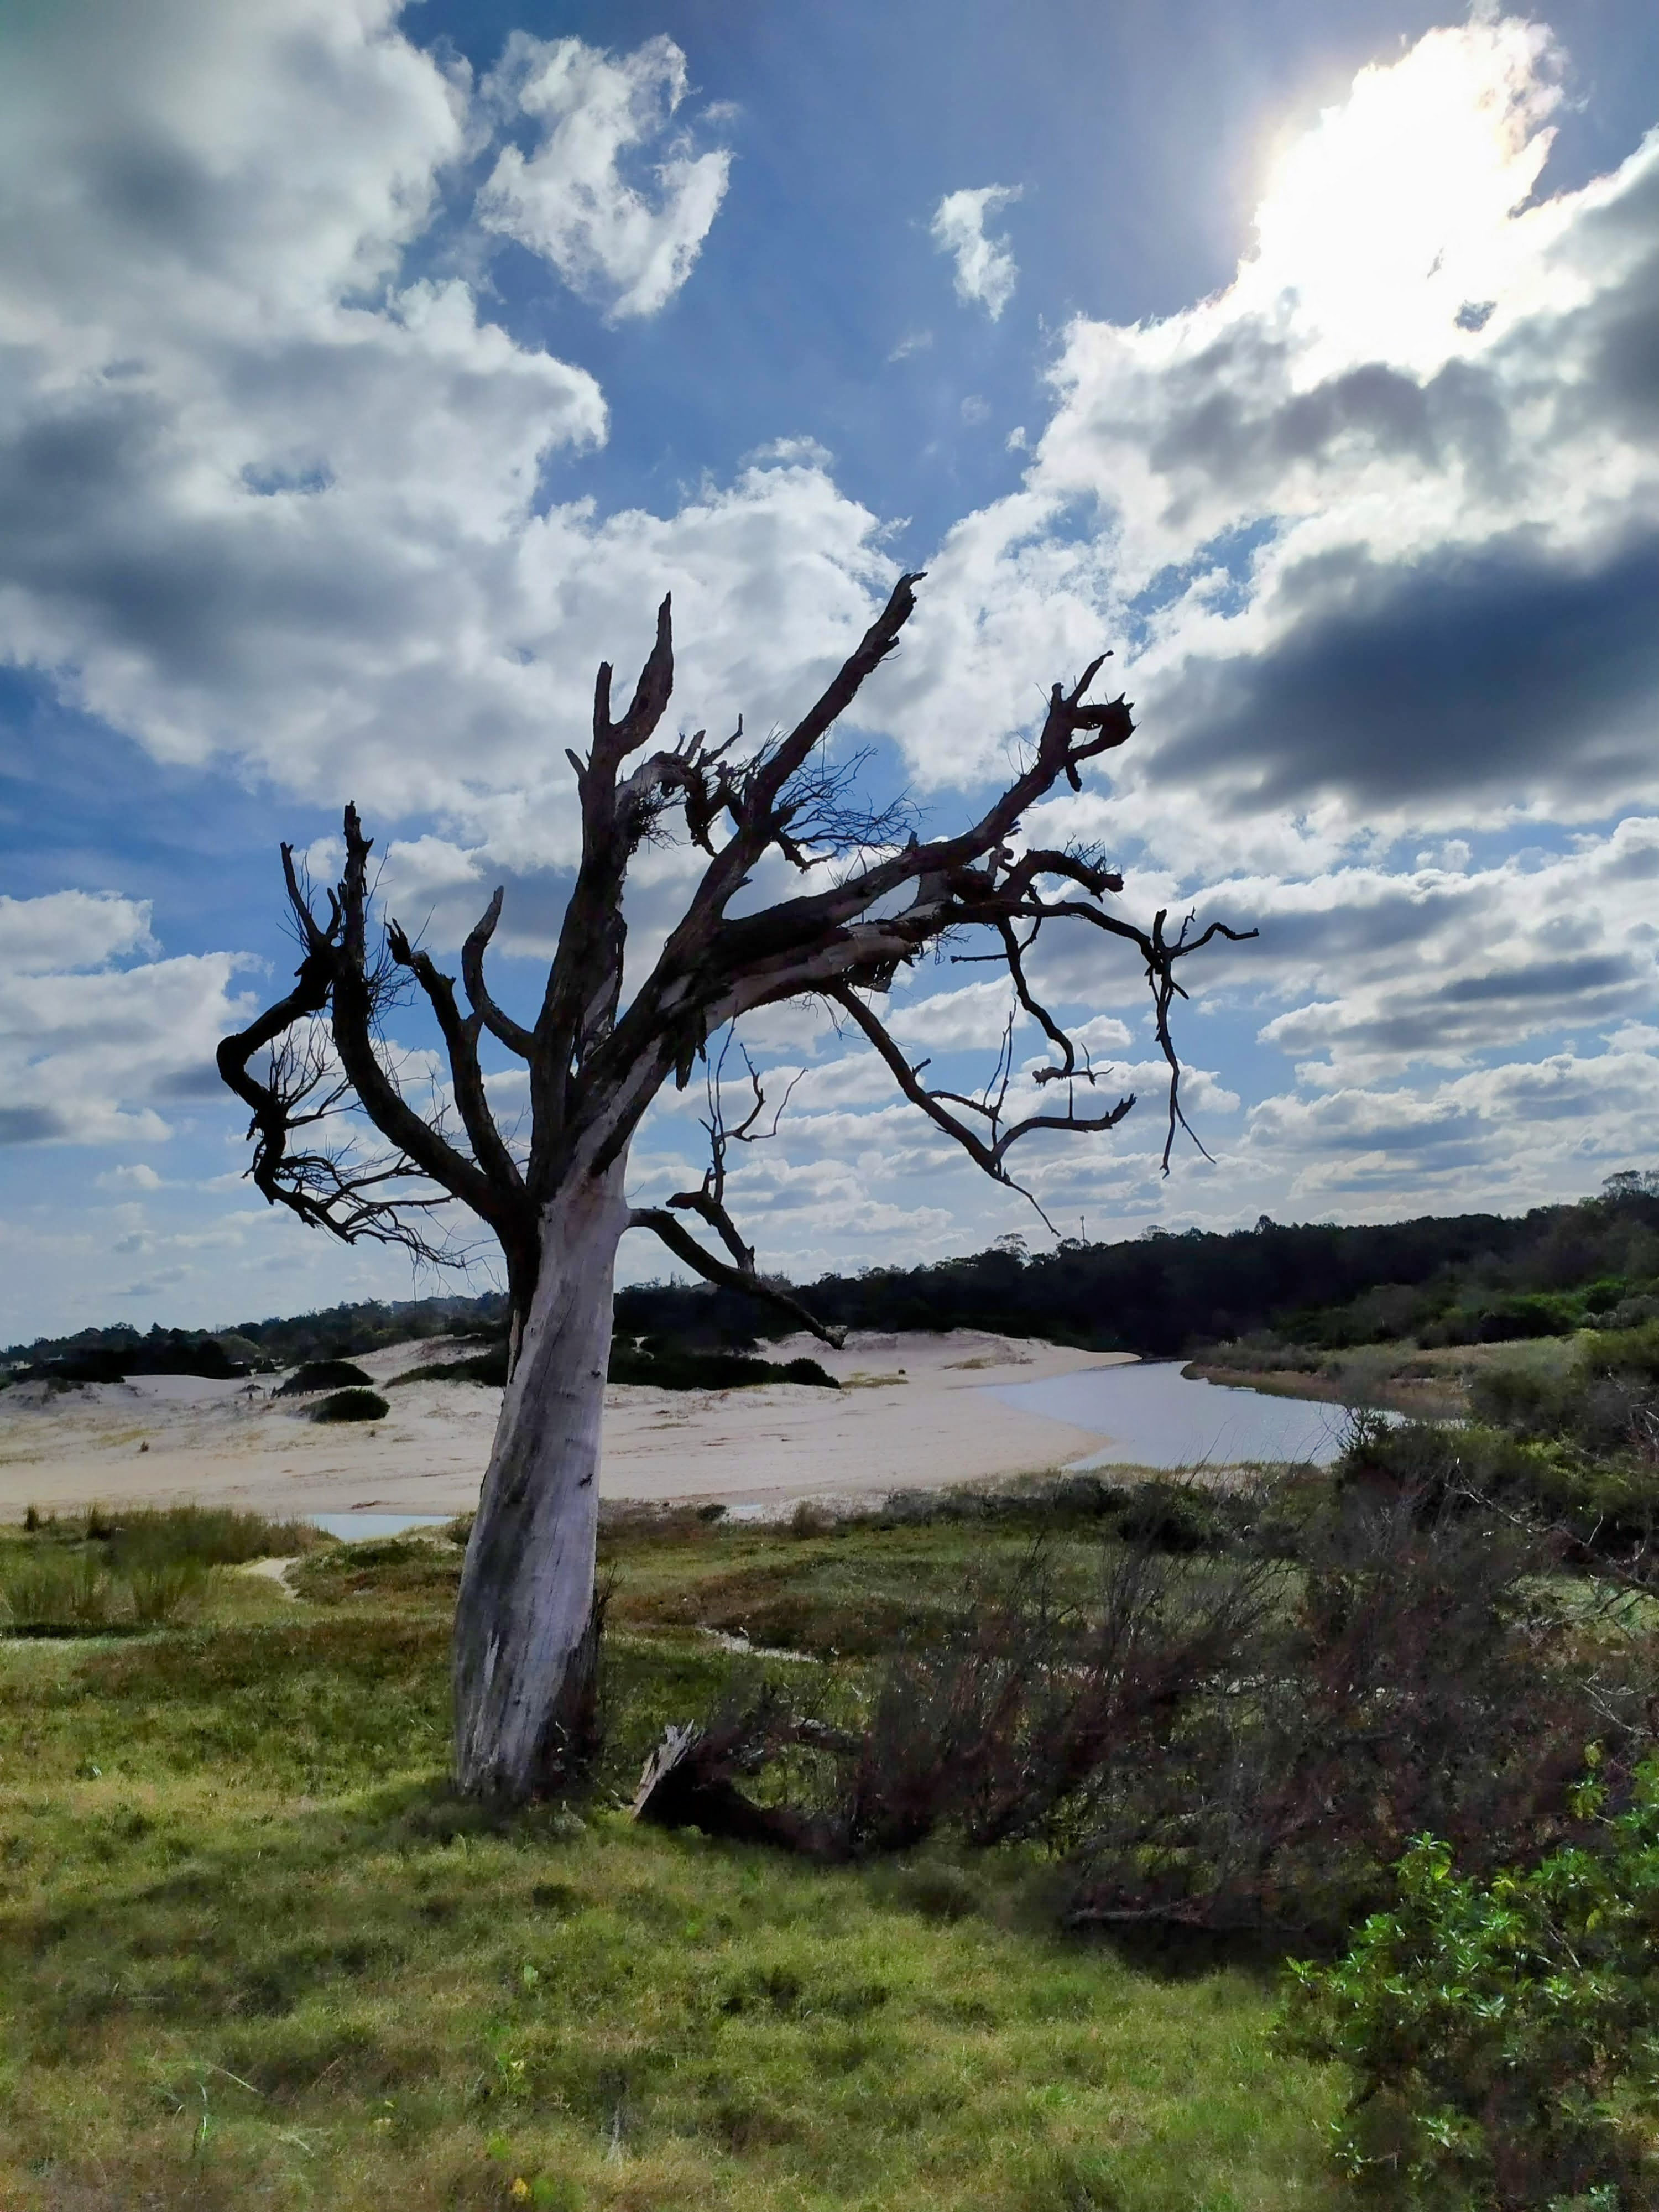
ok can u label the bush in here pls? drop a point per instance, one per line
(1503, 2031)
(998, 1728)
(207, 1535)
(323, 1375)
(668, 1367)
(46, 1593)
(351, 1406)
(1603, 1505)
(672, 1367)
(1415, 1678)
(83, 1577)
(487, 1367)
(165, 1590)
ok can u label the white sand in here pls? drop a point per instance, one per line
(913, 1413)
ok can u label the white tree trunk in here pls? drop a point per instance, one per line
(524, 1639)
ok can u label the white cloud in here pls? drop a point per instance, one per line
(91, 1052)
(985, 270)
(269, 498)
(69, 930)
(1377, 523)
(133, 1175)
(974, 1016)
(569, 200)
(1507, 1136)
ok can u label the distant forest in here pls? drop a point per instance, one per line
(1466, 1279)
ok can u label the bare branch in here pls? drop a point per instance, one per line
(461, 1036)
(510, 1033)
(707, 1201)
(354, 1010)
(682, 1243)
(989, 1150)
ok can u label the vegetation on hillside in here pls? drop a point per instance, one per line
(1466, 1279)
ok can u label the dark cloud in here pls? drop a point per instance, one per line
(1620, 385)
(1549, 978)
(92, 525)
(1232, 424)
(1624, 365)
(1462, 677)
(31, 1125)
(1470, 1015)
(202, 1081)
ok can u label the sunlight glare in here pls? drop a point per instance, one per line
(1396, 210)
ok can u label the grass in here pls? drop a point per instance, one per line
(88, 1574)
(253, 1954)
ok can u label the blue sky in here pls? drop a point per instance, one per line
(366, 375)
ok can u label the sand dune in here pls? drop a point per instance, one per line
(913, 1413)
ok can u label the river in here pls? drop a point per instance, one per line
(1154, 1415)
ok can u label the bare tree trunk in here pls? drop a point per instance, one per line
(524, 1633)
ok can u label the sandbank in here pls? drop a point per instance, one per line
(913, 1412)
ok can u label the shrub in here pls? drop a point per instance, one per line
(207, 1535)
(323, 1375)
(488, 1367)
(1503, 2031)
(675, 1367)
(997, 1728)
(1413, 1681)
(54, 1592)
(165, 1590)
(351, 1406)
(1606, 1506)
(666, 1366)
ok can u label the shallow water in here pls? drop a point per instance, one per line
(357, 1528)
(1155, 1417)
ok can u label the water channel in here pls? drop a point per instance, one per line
(1154, 1415)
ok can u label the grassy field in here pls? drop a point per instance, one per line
(252, 1952)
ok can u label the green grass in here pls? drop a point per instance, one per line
(253, 1954)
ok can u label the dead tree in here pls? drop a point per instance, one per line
(598, 1053)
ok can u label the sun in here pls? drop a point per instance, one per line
(1396, 213)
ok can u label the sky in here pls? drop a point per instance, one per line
(367, 373)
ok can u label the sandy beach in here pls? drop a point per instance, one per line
(913, 1412)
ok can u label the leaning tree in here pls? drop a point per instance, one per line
(599, 1051)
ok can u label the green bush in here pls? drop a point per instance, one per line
(48, 1592)
(323, 1375)
(54, 1591)
(1514, 1455)
(489, 1366)
(673, 1367)
(351, 1406)
(1504, 2034)
(165, 1590)
(1632, 1352)
(207, 1535)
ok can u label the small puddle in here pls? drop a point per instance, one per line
(358, 1527)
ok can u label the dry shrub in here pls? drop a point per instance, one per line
(1421, 1683)
(998, 1728)
(1227, 1743)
